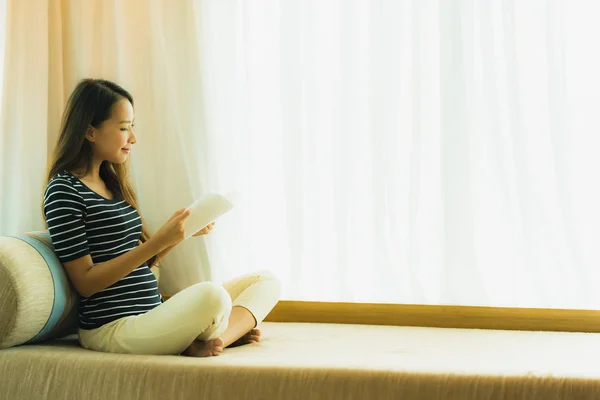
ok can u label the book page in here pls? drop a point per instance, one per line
(204, 211)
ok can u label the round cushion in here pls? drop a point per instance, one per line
(37, 301)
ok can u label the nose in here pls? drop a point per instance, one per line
(132, 137)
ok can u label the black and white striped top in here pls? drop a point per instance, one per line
(82, 222)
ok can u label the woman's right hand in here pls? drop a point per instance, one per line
(173, 231)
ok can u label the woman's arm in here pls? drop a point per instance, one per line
(166, 251)
(89, 279)
(64, 211)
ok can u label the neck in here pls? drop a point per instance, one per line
(93, 174)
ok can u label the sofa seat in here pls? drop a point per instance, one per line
(322, 361)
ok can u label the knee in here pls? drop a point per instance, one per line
(269, 279)
(213, 297)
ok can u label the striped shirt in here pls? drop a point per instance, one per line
(82, 222)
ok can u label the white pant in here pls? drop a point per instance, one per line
(200, 311)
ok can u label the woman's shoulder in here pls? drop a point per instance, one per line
(62, 183)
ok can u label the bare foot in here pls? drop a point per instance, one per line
(251, 337)
(213, 347)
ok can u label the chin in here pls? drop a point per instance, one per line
(119, 160)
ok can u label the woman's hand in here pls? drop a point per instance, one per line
(173, 231)
(205, 230)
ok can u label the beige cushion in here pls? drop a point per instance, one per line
(37, 301)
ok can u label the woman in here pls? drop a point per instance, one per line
(91, 210)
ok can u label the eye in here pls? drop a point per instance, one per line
(124, 129)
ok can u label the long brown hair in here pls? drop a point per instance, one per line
(91, 104)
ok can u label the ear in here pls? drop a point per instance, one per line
(90, 134)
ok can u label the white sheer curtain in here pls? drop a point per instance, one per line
(409, 151)
(2, 42)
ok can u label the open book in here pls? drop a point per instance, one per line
(205, 210)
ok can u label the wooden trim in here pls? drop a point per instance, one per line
(530, 319)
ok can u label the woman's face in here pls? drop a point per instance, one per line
(113, 139)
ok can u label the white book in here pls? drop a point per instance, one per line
(206, 210)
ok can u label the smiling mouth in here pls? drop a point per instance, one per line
(126, 150)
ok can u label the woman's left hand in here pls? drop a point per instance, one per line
(205, 230)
